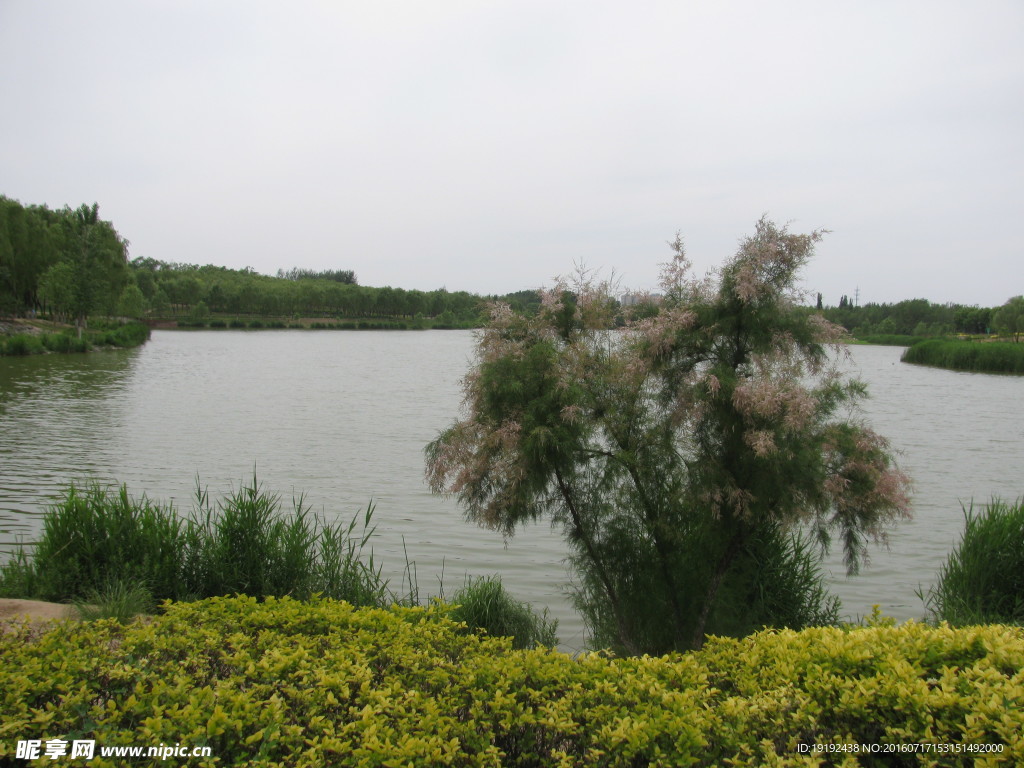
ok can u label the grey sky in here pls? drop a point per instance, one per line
(488, 146)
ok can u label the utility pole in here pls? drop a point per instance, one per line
(856, 296)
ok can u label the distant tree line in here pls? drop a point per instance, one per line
(173, 289)
(70, 264)
(920, 317)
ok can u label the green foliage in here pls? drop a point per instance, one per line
(66, 342)
(284, 683)
(132, 302)
(98, 536)
(1009, 318)
(126, 335)
(678, 452)
(890, 340)
(484, 604)
(336, 275)
(912, 317)
(118, 599)
(775, 581)
(199, 312)
(983, 579)
(982, 357)
(20, 344)
(295, 294)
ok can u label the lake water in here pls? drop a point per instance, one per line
(343, 417)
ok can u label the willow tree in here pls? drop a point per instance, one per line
(684, 454)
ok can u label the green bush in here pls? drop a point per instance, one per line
(64, 342)
(484, 604)
(983, 579)
(284, 683)
(21, 344)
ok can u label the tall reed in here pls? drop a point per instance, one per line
(982, 357)
(97, 535)
(983, 579)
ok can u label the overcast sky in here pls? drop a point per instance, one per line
(489, 146)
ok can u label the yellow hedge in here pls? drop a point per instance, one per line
(321, 683)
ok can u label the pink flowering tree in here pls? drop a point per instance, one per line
(688, 456)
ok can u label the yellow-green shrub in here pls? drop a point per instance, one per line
(301, 684)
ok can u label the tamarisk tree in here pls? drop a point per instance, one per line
(699, 459)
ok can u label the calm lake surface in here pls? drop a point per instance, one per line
(343, 418)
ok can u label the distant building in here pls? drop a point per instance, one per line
(632, 299)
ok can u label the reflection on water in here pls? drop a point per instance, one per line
(344, 416)
(57, 416)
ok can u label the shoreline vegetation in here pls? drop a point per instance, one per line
(958, 355)
(41, 337)
(71, 265)
(276, 671)
(111, 554)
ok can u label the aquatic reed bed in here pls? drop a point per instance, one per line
(982, 357)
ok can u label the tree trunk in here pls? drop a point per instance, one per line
(625, 636)
(724, 564)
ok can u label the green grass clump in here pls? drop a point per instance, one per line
(97, 536)
(484, 604)
(284, 683)
(983, 579)
(119, 599)
(982, 357)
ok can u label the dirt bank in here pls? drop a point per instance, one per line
(35, 610)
